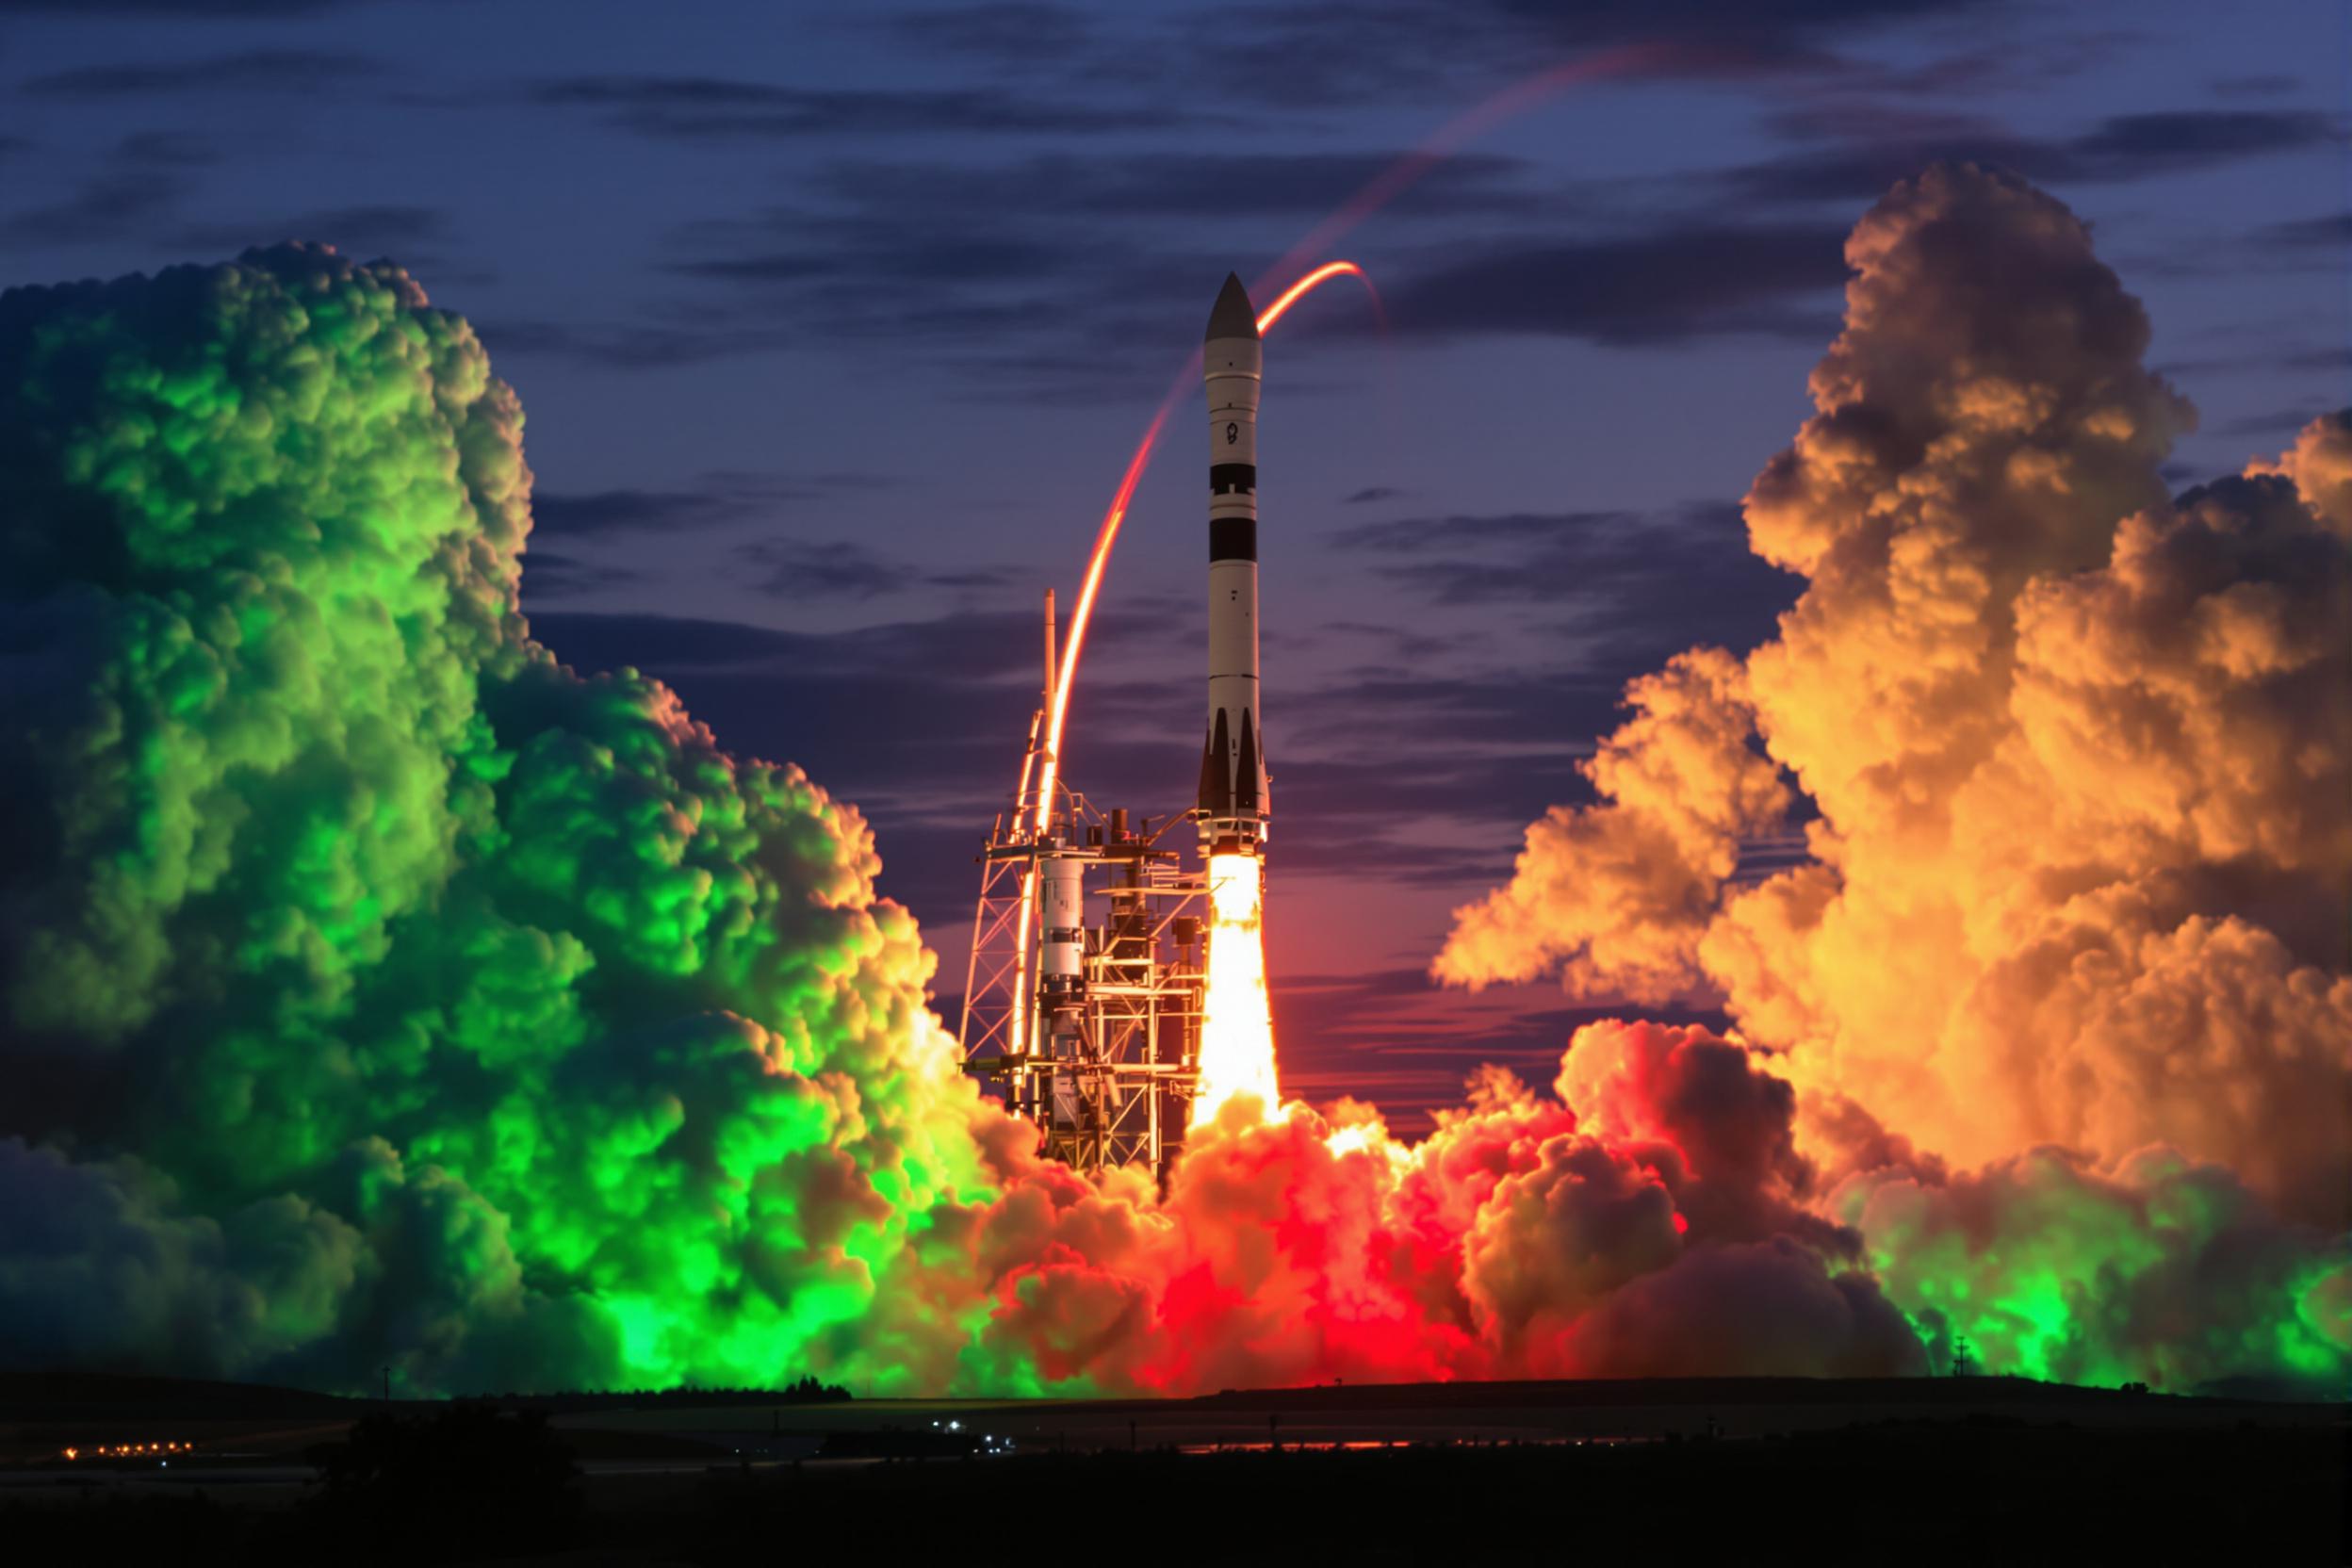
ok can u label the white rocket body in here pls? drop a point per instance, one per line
(1234, 804)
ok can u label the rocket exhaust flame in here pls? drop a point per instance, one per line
(1236, 1024)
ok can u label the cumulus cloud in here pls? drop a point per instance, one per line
(1616, 896)
(1577, 1235)
(2075, 755)
(410, 979)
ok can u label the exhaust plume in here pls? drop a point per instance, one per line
(2076, 755)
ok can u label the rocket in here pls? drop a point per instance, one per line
(1234, 804)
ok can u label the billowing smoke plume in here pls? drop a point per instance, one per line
(1653, 1219)
(381, 992)
(2079, 756)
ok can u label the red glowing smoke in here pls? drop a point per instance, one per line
(1592, 1233)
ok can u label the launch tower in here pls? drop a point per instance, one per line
(1098, 1038)
(1090, 1028)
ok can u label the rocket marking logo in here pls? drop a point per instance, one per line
(1233, 434)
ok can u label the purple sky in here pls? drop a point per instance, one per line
(836, 324)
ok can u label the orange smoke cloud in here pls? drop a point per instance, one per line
(1529, 1235)
(2078, 754)
(1616, 899)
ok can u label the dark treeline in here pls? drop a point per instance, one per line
(807, 1391)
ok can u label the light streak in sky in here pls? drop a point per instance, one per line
(1375, 193)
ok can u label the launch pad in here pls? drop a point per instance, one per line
(1099, 1048)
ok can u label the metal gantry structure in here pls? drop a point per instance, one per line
(1091, 1029)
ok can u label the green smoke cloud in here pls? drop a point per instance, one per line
(486, 1019)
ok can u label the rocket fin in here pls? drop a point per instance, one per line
(1246, 772)
(1216, 769)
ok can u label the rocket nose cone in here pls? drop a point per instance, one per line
(1234, 316)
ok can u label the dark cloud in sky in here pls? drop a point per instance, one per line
(1019, 31)
(2332, 232)
(2335, 358)
(1593, 20)
(136, 189)
(826, 569)
(911, 258)
(1325, 53)
(2133, 146)
(1256, 58)
(147, 181)
(715, 501)
(166, 149)
(2120, 149)
(708, 109)
(256, 71)
(222, 10)
(2275, 427)
(1370, 494)
(1659, 288)
(1613, 574)
(1368, 712)
(104, 206)
(2269, 84)
(555, 577)
(1181, 186)
(1401, 644)
(564, 514)
(636, 345)
(391, 229)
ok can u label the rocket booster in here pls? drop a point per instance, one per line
(1234, 804)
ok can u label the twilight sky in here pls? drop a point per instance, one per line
(836, 324)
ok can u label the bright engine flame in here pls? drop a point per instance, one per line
(1237, 1020)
